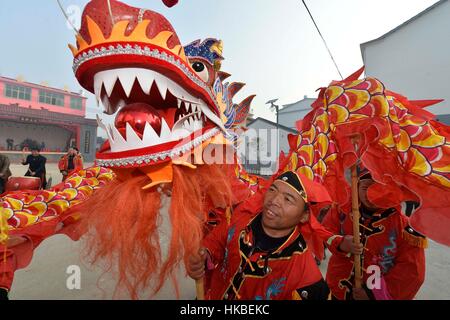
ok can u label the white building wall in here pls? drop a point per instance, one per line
(414, 60)
(262, 136)
(291, 113)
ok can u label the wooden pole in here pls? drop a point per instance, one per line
(199, 284)
(356, 215)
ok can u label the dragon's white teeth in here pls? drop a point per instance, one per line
(187, 106)
(165, 130)
(162, 83)
(117, 137)
(98, 83)
(179, 103)
(145, 79)
(109, 134)
(101, 124)
(176, 91)
(127, 80)
(150, 136)
(197, 125)
(179, 134)
(179, 92)
(191, 124)
(107, 106)
(99, 121)
(109, 81)
(132, 137)
(211, 116)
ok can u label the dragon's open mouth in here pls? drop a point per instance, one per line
(152, 110)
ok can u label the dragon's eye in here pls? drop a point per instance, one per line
(201, 70)
(198, 66)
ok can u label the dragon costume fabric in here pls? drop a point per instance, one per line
(406, 151)
(28, 217)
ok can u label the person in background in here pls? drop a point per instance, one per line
(70, 163)
(390, 246)
(5, 172)
(36, 163)
(10, 144)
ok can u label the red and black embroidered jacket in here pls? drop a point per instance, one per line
(390, 246)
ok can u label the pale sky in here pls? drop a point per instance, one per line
(272, 45)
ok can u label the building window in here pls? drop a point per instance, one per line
(76, 103)
(52, 98)
(17, 92)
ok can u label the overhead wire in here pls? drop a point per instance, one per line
(323, 39)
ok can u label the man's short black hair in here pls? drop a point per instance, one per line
(36, 149)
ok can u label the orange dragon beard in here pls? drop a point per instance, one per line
(122, 222)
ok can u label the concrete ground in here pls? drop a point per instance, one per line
(49, 273)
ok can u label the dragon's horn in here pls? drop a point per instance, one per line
(242, 110)
(223, 75)
(234, 88)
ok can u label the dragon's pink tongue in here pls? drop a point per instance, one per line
(137, 114)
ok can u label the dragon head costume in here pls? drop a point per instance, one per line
(168, 99)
